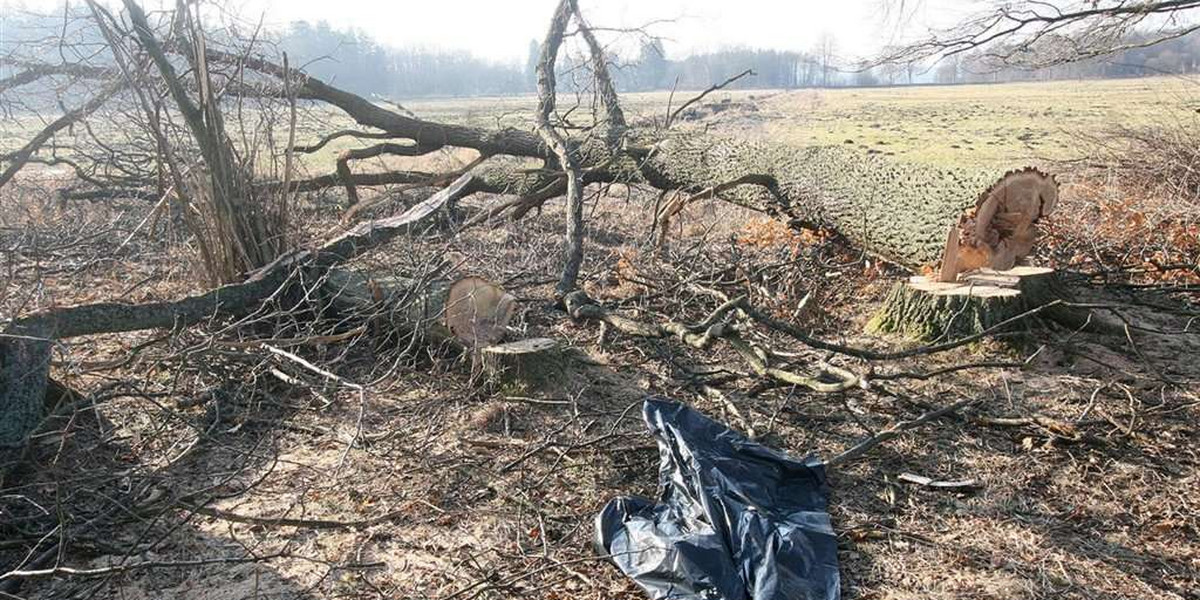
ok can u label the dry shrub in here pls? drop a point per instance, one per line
(1137, 207)
(235, 236)
(1164, 157)
(622, 278)
(771, 233)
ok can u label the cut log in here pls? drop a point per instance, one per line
(478, 311)
(898, 211)
(526, 364)
(926, 309)
(471, 312)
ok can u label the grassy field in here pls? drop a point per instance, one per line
(947, 125)
(966, 125)
(978, 124)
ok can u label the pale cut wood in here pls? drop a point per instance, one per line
(478, 311)
(1001, 230)
(470, 311)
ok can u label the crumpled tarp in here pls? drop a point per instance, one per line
(735, 520)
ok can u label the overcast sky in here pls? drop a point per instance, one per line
(500, 30)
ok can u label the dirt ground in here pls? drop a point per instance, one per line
(188, 466)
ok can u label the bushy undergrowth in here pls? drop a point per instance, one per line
(1136, 206)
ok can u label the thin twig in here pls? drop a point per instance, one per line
(894, 431)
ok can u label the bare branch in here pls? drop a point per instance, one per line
(18, 159)
(719, 86)
(566, 155)
(1037, 34)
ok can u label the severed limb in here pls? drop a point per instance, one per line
(718, 325)
(33, 72)
(760, 361)
(356, 208)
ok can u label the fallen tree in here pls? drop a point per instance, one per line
(900, 212)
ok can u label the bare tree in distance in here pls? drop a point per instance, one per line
(1041, 33)
(825, 53)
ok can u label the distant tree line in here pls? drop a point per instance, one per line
(352, 59)
(358, 62)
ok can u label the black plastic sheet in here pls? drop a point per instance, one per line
(735, 520)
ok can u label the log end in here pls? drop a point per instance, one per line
(471, 311)
(1001, 229)
(478, 311)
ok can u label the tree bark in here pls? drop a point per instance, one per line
(925, 309)
(523, 365)
(897, 211)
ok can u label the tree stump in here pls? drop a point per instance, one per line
(924, 308)
(525, 364)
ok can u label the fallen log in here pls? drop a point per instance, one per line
(470, 312)
(908, 214)
(920, 217)
(26, 343)
(916, 216)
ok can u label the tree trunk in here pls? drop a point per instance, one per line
(898, 211)
(24, 364)
(523, 365)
